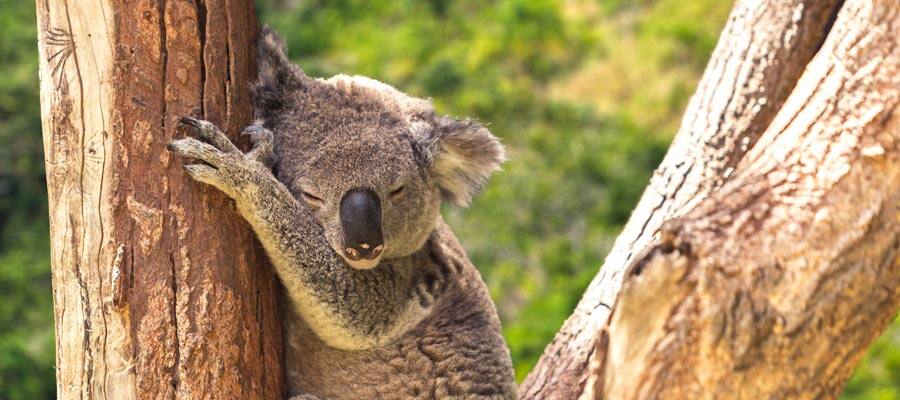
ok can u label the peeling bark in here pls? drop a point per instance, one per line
(764, 48)
(774, 285)
(160, 290)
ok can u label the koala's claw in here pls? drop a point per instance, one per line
(263, 149)
(215, 168)
(211, 133)
(221, 164)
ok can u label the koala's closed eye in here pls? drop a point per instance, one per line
(311, 198)
(396, 193)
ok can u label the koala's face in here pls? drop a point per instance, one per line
(370, 194)
(372, 163)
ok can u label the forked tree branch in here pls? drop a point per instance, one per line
(775, 284)
(763, 50)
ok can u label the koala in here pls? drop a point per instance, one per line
(343, 187)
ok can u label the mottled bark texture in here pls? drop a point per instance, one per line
(780, 265)
(160, 290)
(774, 285)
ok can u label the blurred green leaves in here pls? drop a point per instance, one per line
(21, 166)
(26, 315)
(26, 318)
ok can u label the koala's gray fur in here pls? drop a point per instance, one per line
(415, 322)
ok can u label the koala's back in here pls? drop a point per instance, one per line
(455, 352)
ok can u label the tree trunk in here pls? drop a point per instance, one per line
(784, 264)
(160, 290)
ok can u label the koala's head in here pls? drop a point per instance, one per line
(373, 164)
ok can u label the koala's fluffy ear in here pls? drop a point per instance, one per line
(276, 76)
(461, 155)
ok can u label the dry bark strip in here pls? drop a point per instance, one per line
(762, 52)
(774, 285)
(160, 290)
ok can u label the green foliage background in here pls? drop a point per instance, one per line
(585, 95)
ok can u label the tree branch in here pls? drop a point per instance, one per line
(762, 52)
(774, 285)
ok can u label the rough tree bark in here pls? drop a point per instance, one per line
(159, 288)
(761, 53)
(784, 264)
(774, 285)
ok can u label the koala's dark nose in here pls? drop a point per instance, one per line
(361, 221)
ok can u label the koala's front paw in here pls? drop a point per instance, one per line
(222, 164)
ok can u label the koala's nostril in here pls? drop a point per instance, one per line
(377, 251)
(364, 251)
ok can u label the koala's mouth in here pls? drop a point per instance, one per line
(362, 256)
(362, 263)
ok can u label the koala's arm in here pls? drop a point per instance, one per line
(346, 308)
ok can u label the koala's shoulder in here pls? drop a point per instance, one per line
(450, 257)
